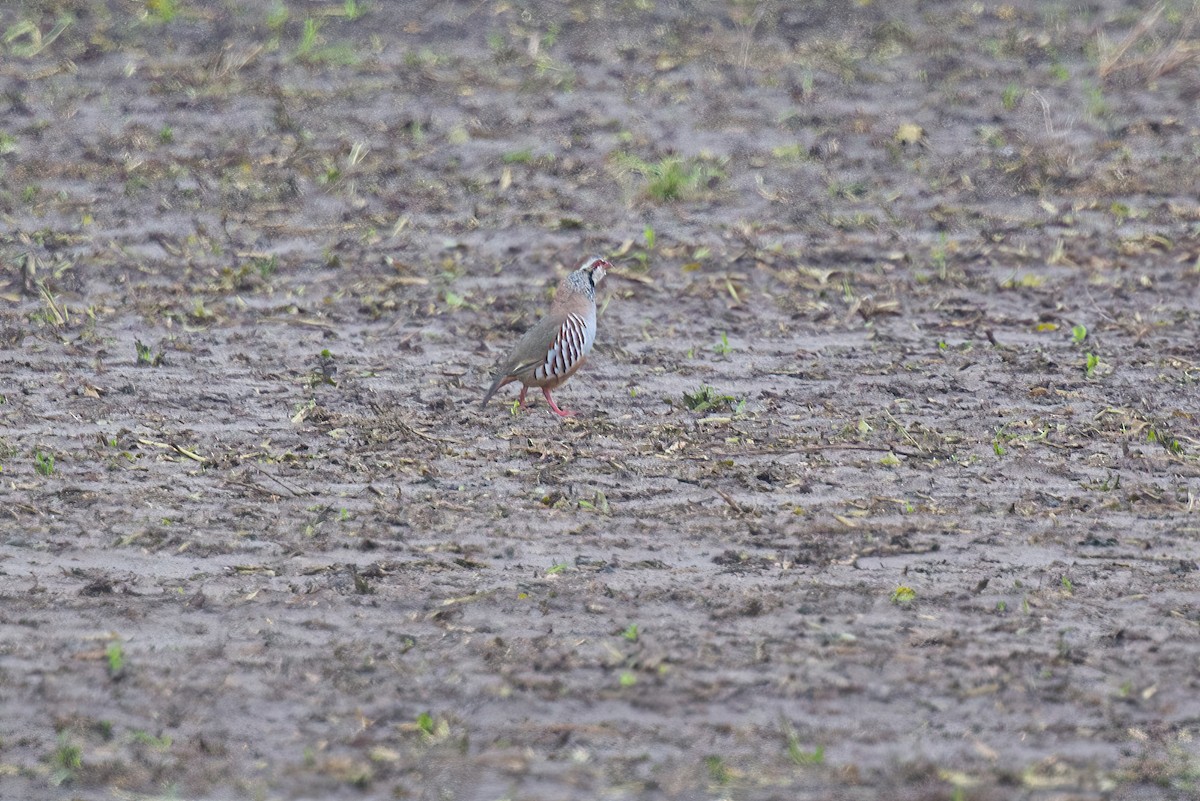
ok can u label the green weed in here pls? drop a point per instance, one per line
(162, 743)
(599, 504)
(797, 754)
(723, 348)
(518, 157)
(937, 257)
(308, 39)
(66, 760)
(146, 357)
(310, 50)
(278, 16)
(43, 462)
(432, 729)
(454, 300)
(326, 369)
(1097, 106)
(717, 771)
(672, 178)
(706, 398)
(1011, 96)
(115, 655)
(162, 10)
(1166, 439)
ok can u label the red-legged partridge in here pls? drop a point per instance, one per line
(550, 352)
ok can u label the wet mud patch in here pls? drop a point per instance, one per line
(885, 471)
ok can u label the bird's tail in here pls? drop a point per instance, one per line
(500, 381)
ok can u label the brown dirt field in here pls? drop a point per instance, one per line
(933, 535)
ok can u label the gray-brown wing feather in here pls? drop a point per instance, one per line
(529, 352)
(567, 350)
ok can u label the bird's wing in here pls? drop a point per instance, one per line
(530, 351)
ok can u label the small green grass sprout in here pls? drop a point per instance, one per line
(723, 348)
(66, 760)
(115, 654)
(43, 462)
(146, 357)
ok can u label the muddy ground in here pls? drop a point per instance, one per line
(930, 534)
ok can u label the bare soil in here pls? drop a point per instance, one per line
(931, 533)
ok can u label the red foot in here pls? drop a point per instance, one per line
(554, 406)
(521, 400)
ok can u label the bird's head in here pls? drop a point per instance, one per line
(594, 269)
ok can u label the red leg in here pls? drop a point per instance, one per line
(521, 400)
(554, 406)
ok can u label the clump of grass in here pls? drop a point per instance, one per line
(310, 50)
(66, 760)
(162, 743)
(600, 504)
(797, 754)
(904, 596)
(308, 39)
(1164, 438)
(146, 357)
(115, 654)
(432, 729)
(1011, 96)
(717, 770)
(265, 266)
(723, 348)
(277, 16)
(518, 156)
(672, 178)
(326, 370)
(43, 462)
(706, 398)
(162, 10)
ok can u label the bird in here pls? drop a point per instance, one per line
(550, 352)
